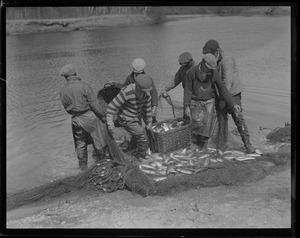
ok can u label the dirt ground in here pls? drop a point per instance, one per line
(262, 204)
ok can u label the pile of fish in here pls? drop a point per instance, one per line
(189, 161)
(163, 127)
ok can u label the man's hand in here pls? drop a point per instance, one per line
(187, 111)
(237, 108)
(154, 111)
(164, 93)
(111, 128)
(149, 125)
(103, 119)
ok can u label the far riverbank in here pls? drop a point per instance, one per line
(108, 21)
(74, 24)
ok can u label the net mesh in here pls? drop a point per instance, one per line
(122, 171)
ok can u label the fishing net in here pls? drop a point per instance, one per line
(116, 172)
(282, 134)
(122, 171)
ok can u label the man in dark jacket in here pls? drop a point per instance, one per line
(138, 66)
(88, 125)
(229, 74)
(199, 97)
(186, 62)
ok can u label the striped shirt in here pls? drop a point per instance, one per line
(127, 106)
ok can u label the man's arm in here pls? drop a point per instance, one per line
(94, 104)
(223, 90)
(128, 80)
(147, 111)
(188, 89)
(113, 107)
(227, 69)
(154, 95)
(174, 82)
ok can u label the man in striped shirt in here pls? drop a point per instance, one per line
(131, 104)
(138, 66)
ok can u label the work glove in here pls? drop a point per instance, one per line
(154, 111)
(187, 112)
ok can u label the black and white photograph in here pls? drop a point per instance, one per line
(148, 117)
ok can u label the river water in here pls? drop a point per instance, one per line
(39, 140)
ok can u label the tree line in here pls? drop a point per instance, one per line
(157, 13)
(14, 13)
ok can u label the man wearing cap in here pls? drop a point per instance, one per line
(138, 66)
(199, 97)
(80, 101)
(133, 102)
(186, 62)
(228, 71)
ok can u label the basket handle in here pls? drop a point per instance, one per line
(107, 85)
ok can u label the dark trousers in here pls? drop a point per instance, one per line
(82, 139)
(238, 118)
(138, 134)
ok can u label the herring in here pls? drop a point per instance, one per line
(253, 155)
(206, 162)
(257, 151)
(184, 171)
(203, 156)
(159, 179)
(244, 158)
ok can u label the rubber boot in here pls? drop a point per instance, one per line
(243, 130)
(201, 141)
(83, 166)
(246, 140)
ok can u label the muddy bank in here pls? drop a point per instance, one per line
(74, 24)
(262, 204)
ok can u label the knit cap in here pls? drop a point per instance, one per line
(67, 70)
(145, 82)
(138, 65)
(210, 61)
(210, 46)
(185, 58)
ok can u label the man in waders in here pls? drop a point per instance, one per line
(132, 103)
(186, 62)
(199, 97)
(80, 101)
(138, 66)
(228, 71)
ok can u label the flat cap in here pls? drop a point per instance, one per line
(67, 70)
(185, 58)
(210, 46)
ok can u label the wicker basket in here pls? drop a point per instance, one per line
(177, 138)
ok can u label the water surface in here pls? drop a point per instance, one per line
(39, 139)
